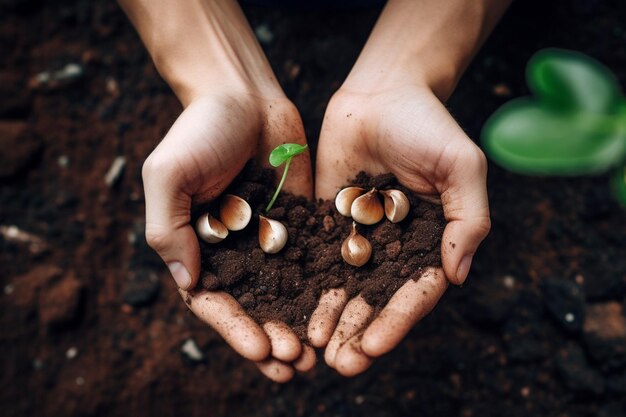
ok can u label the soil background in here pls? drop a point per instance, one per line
(91, 324)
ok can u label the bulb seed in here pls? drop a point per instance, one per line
(367, 209)
(210, 229)
(345, 198)
(356, 250)
(272, 235)
(235, 212)
(396, 205)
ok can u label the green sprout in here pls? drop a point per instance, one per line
(280, 155)
(574, 125)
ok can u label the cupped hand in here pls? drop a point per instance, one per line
(204, 150)
(406, 131)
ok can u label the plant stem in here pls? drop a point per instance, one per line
(280, 185)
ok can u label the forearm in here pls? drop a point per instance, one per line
(202, 46)
(425, 41)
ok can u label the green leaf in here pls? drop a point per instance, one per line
(284, 152)
(569, 80)
(531, 138)
(618, 182)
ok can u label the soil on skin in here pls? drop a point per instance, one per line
(287, 286)
(91, 323)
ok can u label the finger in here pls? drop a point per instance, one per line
(168, 231)
(285, 343)
(408, 305)
(226, 316)
(307, 359)
(354, 318)
(325, 317)
(466, 209)
(276, 370)
(350, 359)
(284, 125)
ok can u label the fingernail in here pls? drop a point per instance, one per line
(464, 267)
(180, 274)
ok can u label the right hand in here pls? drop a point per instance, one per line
(204, 150)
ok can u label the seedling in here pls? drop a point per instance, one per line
(283, 154)
(574, 125)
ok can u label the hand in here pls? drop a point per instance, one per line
(406, 131)
(201, 154)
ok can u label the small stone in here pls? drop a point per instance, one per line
(359, 399)
(115, 171)
(112, 87)
(501, 90)
(508, 281)
(525, 392)
(71, 353)
(80, 381)
(264, 34)
(59, 304)
(63, 161)
(191, 350)
(8, 289)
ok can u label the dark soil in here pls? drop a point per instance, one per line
(287, 286)
(537, 330)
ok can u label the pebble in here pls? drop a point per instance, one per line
(80, 381)
(566, 303)
(359, 399)
(63, 161)
(192, 351)
(8, 289)
(264, 34)
(508, 281)
(115, 171)
(71, 353)
(56, 79)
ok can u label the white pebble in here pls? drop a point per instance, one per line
(359, 399)
(71, 353)
(264, 34)
(190, 348)
(114, 172)
(509, 281)
(8, 289)
(80, 381)
(63, 161)
(569, 317)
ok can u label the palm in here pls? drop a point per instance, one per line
(202, 153)
(409, 133)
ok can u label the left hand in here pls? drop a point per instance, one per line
(406, 131)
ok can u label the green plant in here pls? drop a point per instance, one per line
(283, 154)
(574, 125)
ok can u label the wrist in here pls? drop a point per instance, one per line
(203, 48)
(424, 43)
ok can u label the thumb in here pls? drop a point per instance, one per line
(466, 208)
(168, 232)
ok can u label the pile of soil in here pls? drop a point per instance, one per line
(287, 286)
